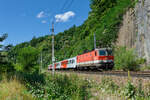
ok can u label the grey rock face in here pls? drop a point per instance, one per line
(142, 13)
(135, 29)
(127, 31)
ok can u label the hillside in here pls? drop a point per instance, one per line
(104, 20)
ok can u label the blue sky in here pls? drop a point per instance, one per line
(23, 19)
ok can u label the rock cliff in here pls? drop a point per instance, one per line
(135, 29)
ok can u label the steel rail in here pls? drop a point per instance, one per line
(138, 74)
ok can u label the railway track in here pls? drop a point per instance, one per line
(138, 74)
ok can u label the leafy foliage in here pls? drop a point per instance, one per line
(58, 87)
(5, 65)
(108, 84)
(130, 90)
(2, 56)
(66, 88)
(125, 59)
(27, 58)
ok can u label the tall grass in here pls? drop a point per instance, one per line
(13, 90)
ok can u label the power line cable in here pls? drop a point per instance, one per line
(65, 7)
(61, 10)
(70, 4)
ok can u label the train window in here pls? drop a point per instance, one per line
(73, 61)
(109, 52)
(69, 61)
(95, 53)
(102, 52)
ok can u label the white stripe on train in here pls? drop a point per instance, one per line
(95, 62)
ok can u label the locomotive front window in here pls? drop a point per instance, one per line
(109, 52)
(102, 52)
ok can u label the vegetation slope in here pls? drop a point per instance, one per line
(104, 20)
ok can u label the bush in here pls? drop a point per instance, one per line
(58, 87)
(27, 58)
(6, 67)
(140, 91)
(107, 84)
(135, 93)
(130, 90)
(66, 88)
(141, 61)
(125, 59)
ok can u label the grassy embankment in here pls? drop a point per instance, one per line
(71, 87)
(116, 88)
(43, 87)
(14, 90)
(108, 88)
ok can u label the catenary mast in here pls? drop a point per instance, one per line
(53, 56)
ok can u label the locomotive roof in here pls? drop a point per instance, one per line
(97, 49)
(103, 49)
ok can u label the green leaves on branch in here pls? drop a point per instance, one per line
(5, 65)
(125, 59)
(27, 58)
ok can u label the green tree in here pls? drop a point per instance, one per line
(34, 41)
(27, 58)
(5, 65)
(2, 56)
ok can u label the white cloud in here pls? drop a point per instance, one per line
(64, 17)
(41, 14)
(44, 21)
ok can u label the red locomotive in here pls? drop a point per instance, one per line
(100, 59)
